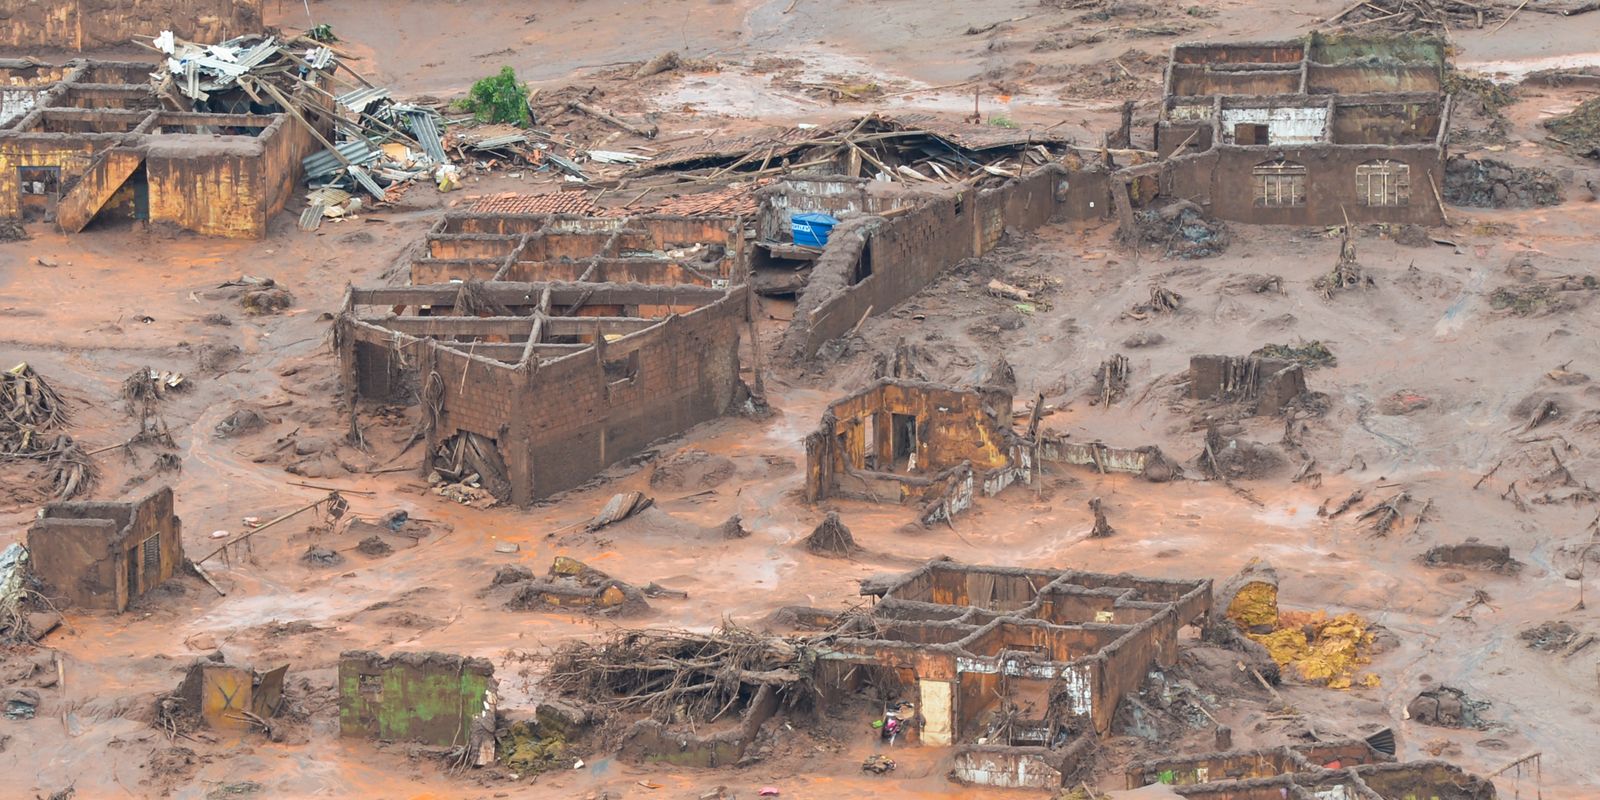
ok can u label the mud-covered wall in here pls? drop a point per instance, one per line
(429, 698)
(223, 186)
(904, 253)
(72, 154)
(580, 420)
(81, 549)
(559, 424)
(91, 24)
(1224, 178)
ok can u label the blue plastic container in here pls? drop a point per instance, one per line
(811, 230)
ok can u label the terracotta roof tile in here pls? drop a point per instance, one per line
(553, 203)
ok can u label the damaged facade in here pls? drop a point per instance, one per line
(106, 555)
(1265, 385)
(90, 24)
(1021, 669)
(430, 698)
(1341, 770)
(1300, 132)
(887, 250)
(99, 139)
(912, 442)
(545, 348)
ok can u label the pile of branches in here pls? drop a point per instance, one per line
(677, 676)
(33, 419)
(1421, 15)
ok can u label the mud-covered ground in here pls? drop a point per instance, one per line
(1470, 327)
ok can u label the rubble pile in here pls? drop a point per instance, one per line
(1313, 646)
(1182, 230)
(1580, 129)
(1487, 183)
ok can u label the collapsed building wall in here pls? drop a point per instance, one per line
(902, 441)
(874, 263)
(104, 555)
(1267, 384)
(1341, 769)
(959, 638)
(91, 24)
(555, 412)
(431, 698)
(121, 155)
(1307, 132)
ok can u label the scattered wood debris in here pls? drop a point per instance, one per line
(832, 538)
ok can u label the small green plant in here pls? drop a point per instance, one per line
(1002, 122)
(322, 33)
(500, 98)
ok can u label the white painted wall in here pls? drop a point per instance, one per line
(1284, 125)
(16, 102)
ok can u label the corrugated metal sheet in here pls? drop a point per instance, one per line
(366, 182)
(359, 99)
(319, 57)
(356, 151)
(500, 141)
(311, 218)
(426, 128)
(328, 196)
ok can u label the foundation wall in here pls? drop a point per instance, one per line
(1008, 767)
(91, 24)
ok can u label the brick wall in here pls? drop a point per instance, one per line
(558, 425)
(908, 251)
(687, 373)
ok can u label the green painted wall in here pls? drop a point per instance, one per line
(1336, 49)
(410, 700)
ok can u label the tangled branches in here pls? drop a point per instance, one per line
(676, 676)
(32, 418)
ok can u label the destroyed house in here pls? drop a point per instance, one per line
(1301, 132)
(90, 24)
(1031, 661)
(902, 441)
(1344, 769)
(571, 343)
(430, 698)
(97, 140)
(937, 447)
(106, 555)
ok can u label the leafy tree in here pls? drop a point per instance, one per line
(500, 98)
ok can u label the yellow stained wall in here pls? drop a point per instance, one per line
(71, 154)
(231, 189)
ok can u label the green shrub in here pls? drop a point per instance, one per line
(501, 98)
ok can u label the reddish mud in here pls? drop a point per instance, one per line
(121, 299)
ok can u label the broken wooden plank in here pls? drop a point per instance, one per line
(648, 132)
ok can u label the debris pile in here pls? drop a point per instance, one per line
(910, 149)
(1182, 230)
(1313, 646)
(832, 538)
(1447, 707)
(569, 584)
(1579, 130)
(1487, 183)
(678, 676)
(1310, 355)
(1420, 15)
(33, 419)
